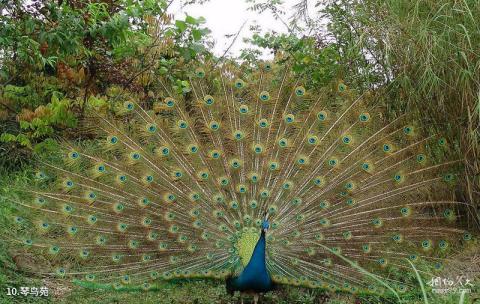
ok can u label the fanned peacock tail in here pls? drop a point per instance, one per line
(178, 188)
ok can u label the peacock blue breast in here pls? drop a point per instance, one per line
(254, 276)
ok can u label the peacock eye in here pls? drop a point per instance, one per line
(151, 128)
(264, 96)
(208, 100)
(407, 130)
(170, 102)
(182, 124)
(239, 83)
(289, 118)
(243, 109)
(214, 126)
(200, 73)
(300, 91)
(342, 87)
(364, 117)
(263, 123)
(322, 116)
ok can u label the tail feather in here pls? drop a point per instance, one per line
(169, 189)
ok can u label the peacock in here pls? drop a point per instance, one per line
(255, 176)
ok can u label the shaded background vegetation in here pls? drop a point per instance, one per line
(55, 56)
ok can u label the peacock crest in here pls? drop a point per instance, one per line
(178, 187)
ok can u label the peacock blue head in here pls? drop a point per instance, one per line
(265, 223)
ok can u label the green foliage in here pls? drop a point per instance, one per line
(55, 55)
(318, 64)
(427, 56)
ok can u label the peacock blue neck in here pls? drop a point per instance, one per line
(254, 276)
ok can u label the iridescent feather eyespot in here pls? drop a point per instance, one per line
(367, 167)
(300, 91)
(200, 73)
(312, 139)
(377, 222)
(283, 142)
(192, 148)
(324, 204)
(467, 236)
(443, 244)
(73, 155)
(442, 142)
(296, 201)
(289, 118)
(319, 181)
(287, 185)
(39, 201)
(182, 124)
(408, 130)
(118, 207)
(194, 196)
(235, 163)
(421, 158)
(128, 105)
(448, 177)
(40, 175)
(112, 140)
(243, 109)
(387, 148)
(302, 160)
(238, 135)
(333, 162)
(135, 155)
(92, 219)
(405, 211)
(350, 202)
(364, 117)
(426, 244)
(239, 83)
(273, 165)
(170, 102)
(208, 100)
(164, 151)
(148, 179)
(264, 96)
(68, 183)
(151, 128)
(241, 188)
(322, 116)
(214, 125)
(349, 186)
(258, 148)
(399, 177)
(347, 139)
(100, 168)
(215, 154)
(223, 181)
(67, 209)
(263, 123)
(254, 177)
(398, 238)
(203, 174)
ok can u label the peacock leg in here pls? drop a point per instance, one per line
(255, 298)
